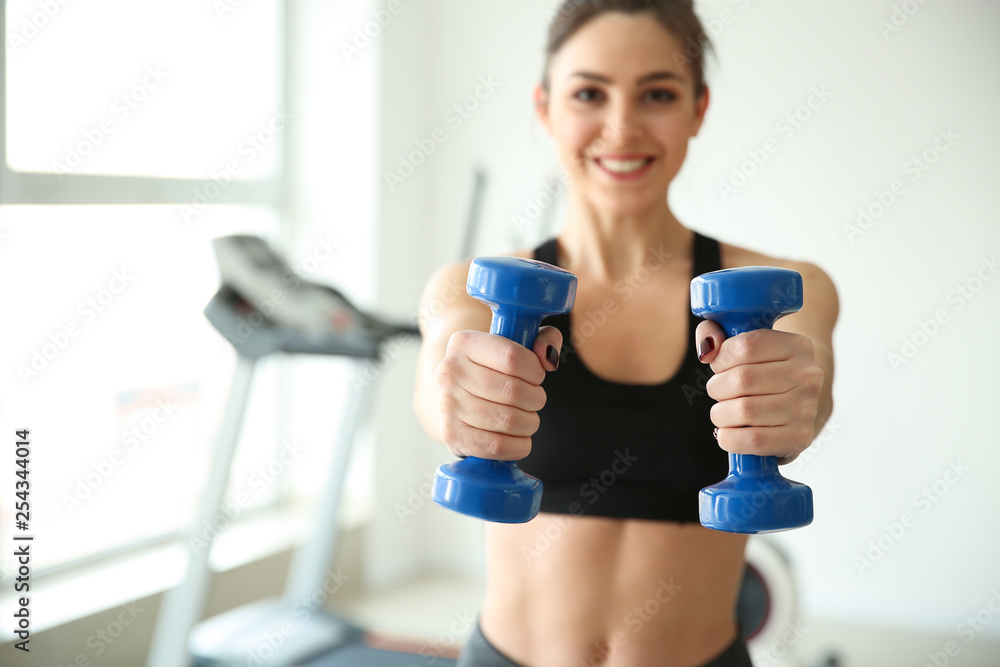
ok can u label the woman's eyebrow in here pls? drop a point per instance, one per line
(646, 78)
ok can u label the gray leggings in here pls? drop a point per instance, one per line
(479, 652)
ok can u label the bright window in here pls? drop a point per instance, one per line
(173, 89)
(135, 133)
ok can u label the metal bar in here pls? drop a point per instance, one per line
(312, 559)
(182, 606)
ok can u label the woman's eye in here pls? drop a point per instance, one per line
(588, 95)
(661, 96)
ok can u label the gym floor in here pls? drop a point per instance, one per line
(439, 612)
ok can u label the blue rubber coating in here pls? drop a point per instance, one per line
(521, 293)
(754, 497)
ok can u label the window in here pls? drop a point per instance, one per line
(133, 134)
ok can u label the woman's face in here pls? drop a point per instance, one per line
(621, 108)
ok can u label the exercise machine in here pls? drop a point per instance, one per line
(263, 307)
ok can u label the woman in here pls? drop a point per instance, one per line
(616, 570)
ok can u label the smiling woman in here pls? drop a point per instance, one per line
(616, 570)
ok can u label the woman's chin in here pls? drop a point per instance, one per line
(628, 204)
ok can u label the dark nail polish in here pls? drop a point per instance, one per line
(707, 345)
(715, 433)
(552, 355)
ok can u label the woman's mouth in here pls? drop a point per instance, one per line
(624, 168)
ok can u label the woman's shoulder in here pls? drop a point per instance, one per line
(734, 256)
(448, 274)
(447, 284)
(815, 281)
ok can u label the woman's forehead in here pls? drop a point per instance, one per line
(621, 47)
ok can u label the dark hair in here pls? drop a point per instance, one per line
(676, 16)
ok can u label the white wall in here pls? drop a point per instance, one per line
(895, 430)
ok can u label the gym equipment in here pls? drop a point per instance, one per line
(309, 318)
(521, 292)
(754, 497)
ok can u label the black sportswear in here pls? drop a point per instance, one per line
(626, 450)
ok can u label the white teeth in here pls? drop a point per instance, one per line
(623, 166)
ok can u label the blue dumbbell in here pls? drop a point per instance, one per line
(754, 497)
(521, 292)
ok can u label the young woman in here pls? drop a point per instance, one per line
(616, 570)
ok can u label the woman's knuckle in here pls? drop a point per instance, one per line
(539, 399)
(507, 359)
(755, 439)
(504, 419)
(533, 422)
(443, 376)
(510, 391)
(742, 379)
(493, 446)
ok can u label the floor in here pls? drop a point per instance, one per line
(439, 612)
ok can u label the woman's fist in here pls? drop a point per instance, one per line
(767, 385)
(491, 392)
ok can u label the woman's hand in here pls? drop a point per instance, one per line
(767, 384)
(490, 392)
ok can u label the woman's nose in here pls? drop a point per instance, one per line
(621, 124)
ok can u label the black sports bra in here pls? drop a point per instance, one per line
(626, 450)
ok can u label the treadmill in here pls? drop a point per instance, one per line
(263, 307)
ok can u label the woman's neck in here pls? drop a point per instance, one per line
(606, 247)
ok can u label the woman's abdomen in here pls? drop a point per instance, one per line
(572, 590)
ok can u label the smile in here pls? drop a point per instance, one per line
(625, 168)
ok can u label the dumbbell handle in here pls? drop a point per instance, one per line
(734, 324)
(511, 323)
